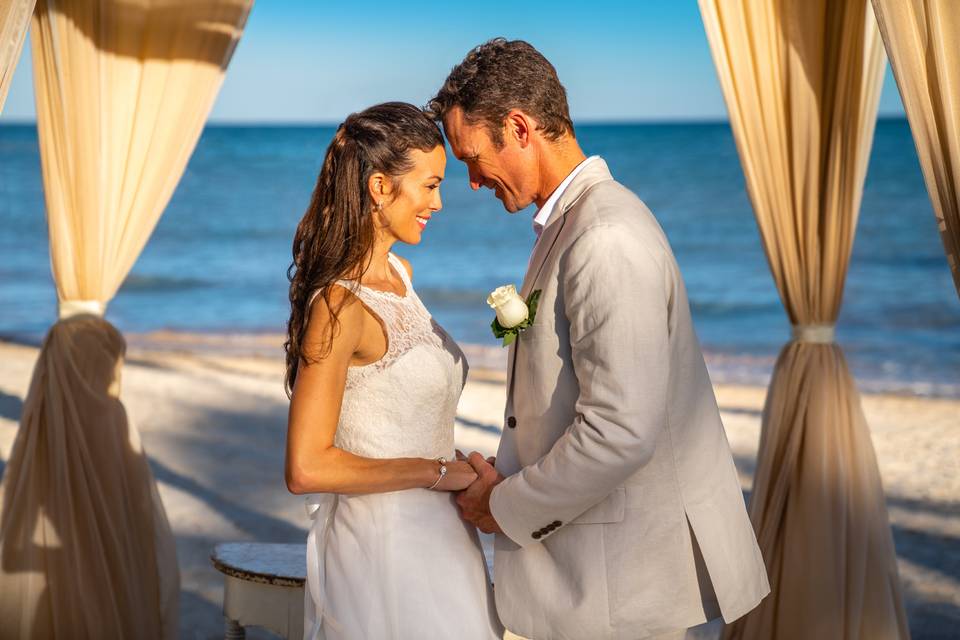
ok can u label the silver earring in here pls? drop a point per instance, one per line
(379, 206)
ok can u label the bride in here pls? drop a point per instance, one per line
(374, 385)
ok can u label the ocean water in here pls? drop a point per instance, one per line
(218, 258)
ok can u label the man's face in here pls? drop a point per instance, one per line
(508, 170)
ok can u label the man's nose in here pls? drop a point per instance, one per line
(476, 180)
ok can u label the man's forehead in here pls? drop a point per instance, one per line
(452, 127)
(461, 135)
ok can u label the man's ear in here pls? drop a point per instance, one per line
(520, 127)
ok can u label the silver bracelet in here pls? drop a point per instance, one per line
(443, 471)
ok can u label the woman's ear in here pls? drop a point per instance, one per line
(380, 187)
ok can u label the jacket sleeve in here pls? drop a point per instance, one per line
(616, 297)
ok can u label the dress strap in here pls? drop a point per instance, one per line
(402, 270)
(346, 284)
(371, 297)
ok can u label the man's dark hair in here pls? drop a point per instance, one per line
(501, 75)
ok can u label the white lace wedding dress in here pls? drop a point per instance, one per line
(399, 565)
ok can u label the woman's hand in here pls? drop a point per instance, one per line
(460, 475)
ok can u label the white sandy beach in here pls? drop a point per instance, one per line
(213, 423)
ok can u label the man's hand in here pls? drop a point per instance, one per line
(492, 460)
(474, 501)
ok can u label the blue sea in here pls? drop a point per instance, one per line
(218, 258)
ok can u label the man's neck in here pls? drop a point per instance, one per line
(557, 160)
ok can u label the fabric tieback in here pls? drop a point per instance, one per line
(815, 333)
(70, 308)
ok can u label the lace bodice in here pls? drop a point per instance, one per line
(403, 405)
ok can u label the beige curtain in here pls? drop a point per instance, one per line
(123, 88)
(922, 38)
(14, 18)
(802, 82)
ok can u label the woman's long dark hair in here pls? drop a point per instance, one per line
(335, 237)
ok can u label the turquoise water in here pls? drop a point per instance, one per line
(218, 257)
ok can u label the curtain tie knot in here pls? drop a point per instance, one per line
(70, 308)
(814, 333)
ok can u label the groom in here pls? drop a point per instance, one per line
(615, 497)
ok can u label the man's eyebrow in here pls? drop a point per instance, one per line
(437, 178)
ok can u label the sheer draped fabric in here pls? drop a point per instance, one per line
(123, 89)
(922, 39)
(802, 83)
(86, 547)
(14, 19)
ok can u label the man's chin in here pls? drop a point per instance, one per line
(510, 206)
(508, 203)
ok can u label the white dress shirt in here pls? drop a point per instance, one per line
(543, 214)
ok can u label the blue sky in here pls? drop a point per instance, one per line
(316, 61)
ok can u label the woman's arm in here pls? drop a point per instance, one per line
(313, 464)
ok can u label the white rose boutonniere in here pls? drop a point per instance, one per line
(513, 314)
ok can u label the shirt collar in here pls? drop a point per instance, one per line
(543, 214)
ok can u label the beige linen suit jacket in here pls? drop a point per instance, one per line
(621, 508)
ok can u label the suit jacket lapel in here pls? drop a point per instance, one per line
(596, 171)
(548, 237)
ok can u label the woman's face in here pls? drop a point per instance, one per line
(407, 211)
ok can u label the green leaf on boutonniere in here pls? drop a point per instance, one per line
(498, 330)
(532, 303)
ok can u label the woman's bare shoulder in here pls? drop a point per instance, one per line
(340, 300)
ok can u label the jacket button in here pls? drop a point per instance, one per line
(556, 523)
(537, 535)
(512, 422)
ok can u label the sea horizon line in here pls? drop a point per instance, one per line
(325, 124)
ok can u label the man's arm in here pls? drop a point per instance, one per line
(616, 298)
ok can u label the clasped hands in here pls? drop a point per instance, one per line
(474, 501)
